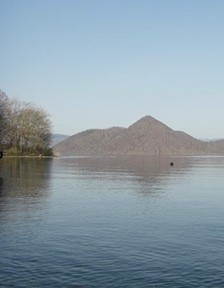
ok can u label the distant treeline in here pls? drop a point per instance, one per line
(24, 128)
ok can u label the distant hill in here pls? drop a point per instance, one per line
(57, 138)
(90, 142)
(147, 136)
(216, 145)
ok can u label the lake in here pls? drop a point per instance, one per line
(112, 222)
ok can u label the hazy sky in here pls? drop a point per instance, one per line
(102, 63)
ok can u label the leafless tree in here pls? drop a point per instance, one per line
(3, 116)
(35, 130)
(28, 129)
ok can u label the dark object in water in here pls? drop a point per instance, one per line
(1, 154)
(171, 163)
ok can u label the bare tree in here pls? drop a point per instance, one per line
(35, 130)
(28, 129)
(12, 137)
(3, 116)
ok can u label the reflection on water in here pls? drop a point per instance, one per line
(148, 175)
(141, 165)
(24, 188)
(1, 186)
(24, 177)
(112, 222)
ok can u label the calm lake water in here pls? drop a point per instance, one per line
(112, 222)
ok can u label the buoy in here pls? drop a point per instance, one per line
(171, 163)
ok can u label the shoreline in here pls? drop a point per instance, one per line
(112, 156)
(27, 156)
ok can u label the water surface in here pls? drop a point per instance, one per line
(112, 222)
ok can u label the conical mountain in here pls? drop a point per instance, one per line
(148, 122)
(147, 136)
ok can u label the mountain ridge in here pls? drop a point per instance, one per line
(146, 136)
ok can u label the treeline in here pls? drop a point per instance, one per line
(24, 128)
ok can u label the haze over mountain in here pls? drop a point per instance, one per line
(57, 138)
(147, 136)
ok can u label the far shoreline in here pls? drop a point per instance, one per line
(111, 156)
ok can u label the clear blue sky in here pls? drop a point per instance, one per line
(102, 63)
